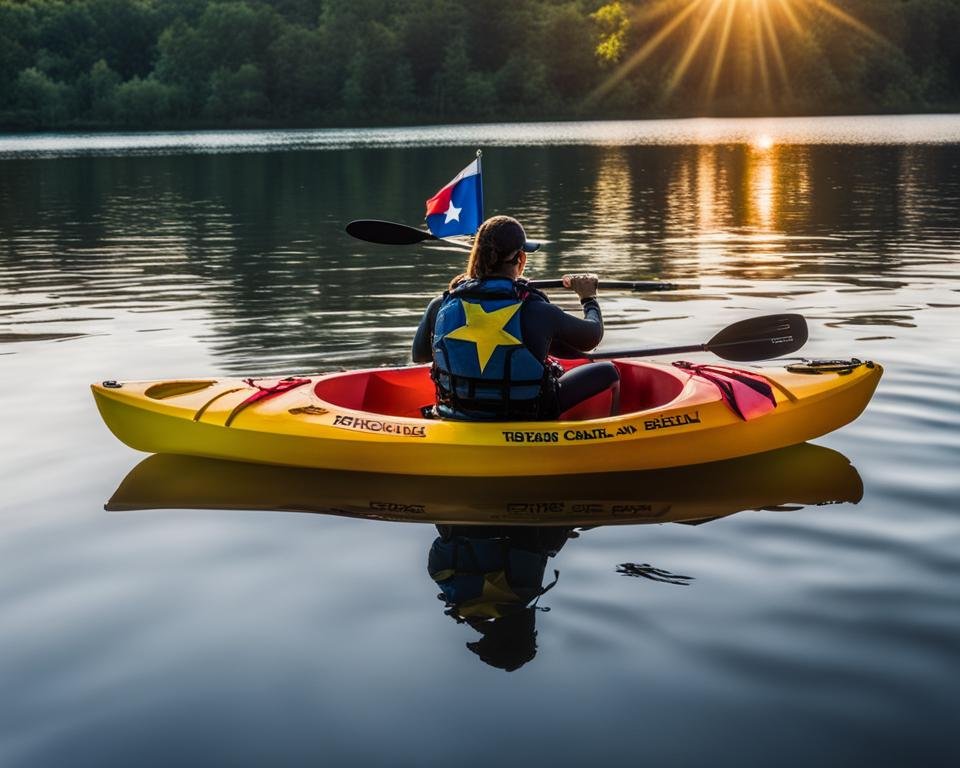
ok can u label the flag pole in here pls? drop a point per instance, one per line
(480, 181)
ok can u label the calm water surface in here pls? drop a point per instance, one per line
(807, 632)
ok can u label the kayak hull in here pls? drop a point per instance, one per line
(369, 421)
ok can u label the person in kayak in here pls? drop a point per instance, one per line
(489, 336)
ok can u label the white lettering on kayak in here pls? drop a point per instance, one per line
(376, 425)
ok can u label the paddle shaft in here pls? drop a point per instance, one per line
(646, 352)
(758, 338)
(632, 285)
(392, 233)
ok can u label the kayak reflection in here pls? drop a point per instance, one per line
(496, 536)
(802, 474)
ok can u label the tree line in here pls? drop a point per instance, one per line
(191, 63)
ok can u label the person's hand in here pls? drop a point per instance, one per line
(585, 286)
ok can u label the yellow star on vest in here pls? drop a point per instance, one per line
(485, 329)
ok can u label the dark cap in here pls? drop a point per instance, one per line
(507, 235)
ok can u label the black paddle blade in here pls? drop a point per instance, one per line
(760, 338)
(387, 232)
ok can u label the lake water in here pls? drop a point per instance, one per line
(823, 628)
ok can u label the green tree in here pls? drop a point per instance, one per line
(126, 35)
(41, 96)
(144, 103)
(68, 34)
(613, 24)
(237, 33)
(103, 84)
(237, 93)
(449, 95)
(425, 31)
(570, 57)
(303, 79)
(126, 62)
(378, 78)
(523, 88)
(183, 62)
(18, 33)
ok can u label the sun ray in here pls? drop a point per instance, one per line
(721, 51)
(641, 55)
(804, 8)
(691, 49)
(749, 43)
(851, 21)
(787, 8)
(654, 10)
(775, 45)
(761, 51)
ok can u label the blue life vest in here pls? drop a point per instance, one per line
(481, 367)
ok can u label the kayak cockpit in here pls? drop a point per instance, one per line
(404, 392)
(388, 391)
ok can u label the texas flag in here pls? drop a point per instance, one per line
(457, 209)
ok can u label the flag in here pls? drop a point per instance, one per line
(457, 209)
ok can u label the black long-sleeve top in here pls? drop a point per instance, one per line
(546, 329)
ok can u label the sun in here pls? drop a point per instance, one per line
(742, 40)
(763, 142)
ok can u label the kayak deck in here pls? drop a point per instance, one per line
(371, 420)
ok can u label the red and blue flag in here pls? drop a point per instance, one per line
(457, 209)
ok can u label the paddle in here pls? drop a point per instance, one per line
(758, 338)
(391, 233)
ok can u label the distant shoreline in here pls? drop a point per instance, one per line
(760, 132)
(347, 123)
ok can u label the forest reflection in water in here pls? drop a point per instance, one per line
(256, 242)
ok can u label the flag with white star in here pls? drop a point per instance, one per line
(457, 209)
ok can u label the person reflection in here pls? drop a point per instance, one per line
(491, 578)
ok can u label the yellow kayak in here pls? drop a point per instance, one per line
(372, 420)
(798, 475)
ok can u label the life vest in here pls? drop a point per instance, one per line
(481, 367)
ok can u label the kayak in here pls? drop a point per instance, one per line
(373, 420)
(803, 474)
